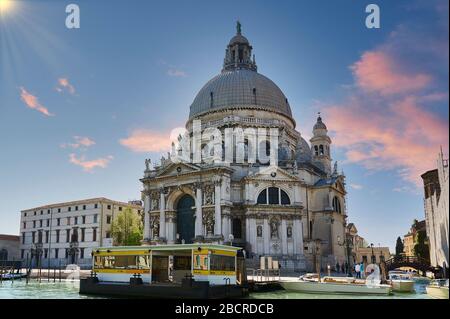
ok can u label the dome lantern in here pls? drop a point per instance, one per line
(238, 54)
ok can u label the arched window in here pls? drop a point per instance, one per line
(337, 205)
(273, 196)
(316, 150)
(237, 228)
(321, 150)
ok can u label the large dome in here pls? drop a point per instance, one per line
(240, 88)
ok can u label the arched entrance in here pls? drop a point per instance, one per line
(185, 219)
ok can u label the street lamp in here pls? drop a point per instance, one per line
(231, 238)
(373, 256)
(348, 244)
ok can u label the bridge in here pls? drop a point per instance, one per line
(417, 263)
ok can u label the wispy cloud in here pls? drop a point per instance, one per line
(143, 140)
(32, 102)
(176, 73)
(90, 165)
(356, 186)
(80, 142)
(64, 84)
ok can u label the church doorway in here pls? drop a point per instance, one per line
(185, 219)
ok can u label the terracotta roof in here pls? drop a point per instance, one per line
(9, 237)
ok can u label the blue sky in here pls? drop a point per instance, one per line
(135, 66)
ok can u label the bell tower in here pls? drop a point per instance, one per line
(320, 146)
(238, 54)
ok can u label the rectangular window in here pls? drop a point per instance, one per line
(109, 206)
(23, 238)
(94, 234)
(59, 210)
(67, 235)
(108, 234)
(48, 222)
(48, 211)
(83, 218)
(40, 223)
(33, 237)
(95, 218)
(70, 209)
(34, 224)
(34, 213)
(24, 225)
(120, 209)
(76, 221)
(82, 234)
(273, 196)
(108, 219)
(24, 214)
(58, 222)
(56, 253)
(222, 263)
(22, 253)
(46, 236)
(42, 212)
(84, 207)
(67, 253)
(96, 206)
(81, 253)
(76, 207)
(68, 220)
(45, 253)
(57, 237)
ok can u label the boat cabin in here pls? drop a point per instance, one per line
(216, 264)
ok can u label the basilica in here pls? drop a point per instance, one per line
(294, 211)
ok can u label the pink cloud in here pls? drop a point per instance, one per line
(80, 141)
(90, 165)
(377, 72)
(33, 103)
(403, 137)
(143, 140)
(63, 83)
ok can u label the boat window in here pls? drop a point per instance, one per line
(122, 262)
(200, 262)
(182, 263)
(222, 263)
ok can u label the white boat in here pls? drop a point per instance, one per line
(438, 289)
(334, 285)
(401, 281)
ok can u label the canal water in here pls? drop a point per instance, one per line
(19, 289)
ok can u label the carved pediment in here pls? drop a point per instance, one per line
(174, 169)
(273, 173)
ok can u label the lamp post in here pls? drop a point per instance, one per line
(347, 243)
(231, 238)
(373, 256)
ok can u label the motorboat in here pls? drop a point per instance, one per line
(13, 276)
(401, 281)
(334, 285)
(438, 289)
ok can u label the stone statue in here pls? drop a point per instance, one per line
(259, 231)
(274, 229)
(148, 163)
(238, 27)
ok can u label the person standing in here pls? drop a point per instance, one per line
(357, 270)
(361, 269)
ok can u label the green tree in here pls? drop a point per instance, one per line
(399, 247)
(421, 248)
(127, 228)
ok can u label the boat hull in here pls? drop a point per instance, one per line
(437, 292)
(402, 285)
(334, 288)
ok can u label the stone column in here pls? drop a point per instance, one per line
(162, 214)
(147, 217)
(198, 210)
(226, 227)
(266, 236)
(284, 237)
(297, 235)
(217, 212)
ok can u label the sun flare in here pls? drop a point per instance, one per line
(5, 5)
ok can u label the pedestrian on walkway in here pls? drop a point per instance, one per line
(357, 270)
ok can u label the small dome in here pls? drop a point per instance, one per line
(320, 125)
(303, 151)
(238, 38)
